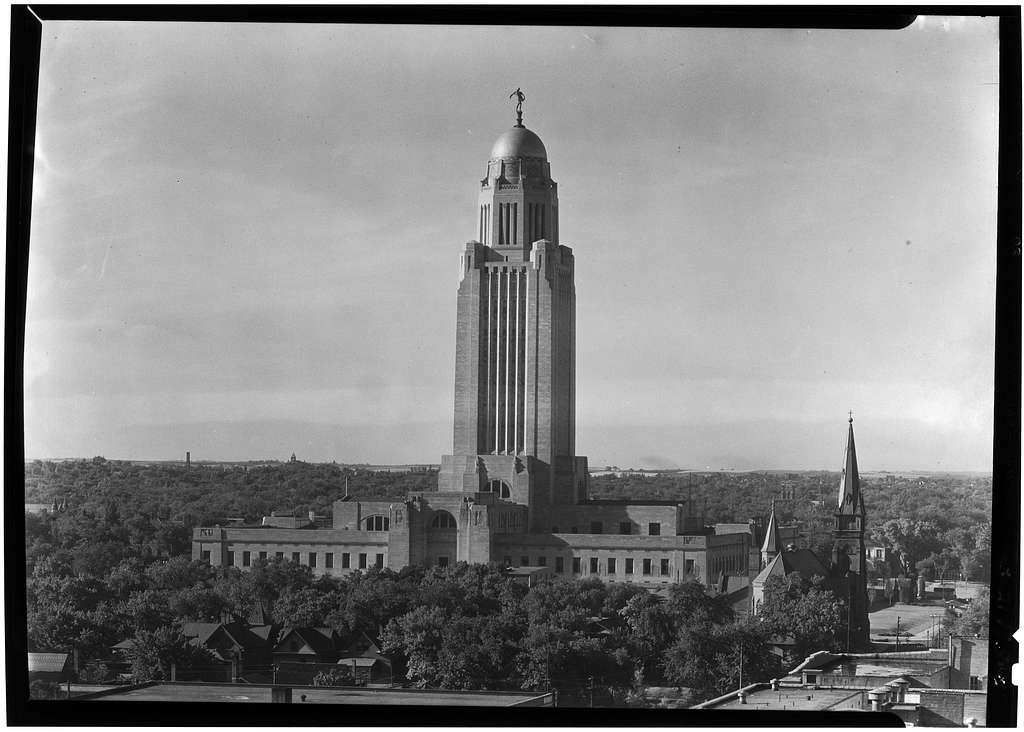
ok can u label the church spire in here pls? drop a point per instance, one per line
(771, 534)
(851, 501)
(772, 544)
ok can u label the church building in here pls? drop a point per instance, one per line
(845, 574)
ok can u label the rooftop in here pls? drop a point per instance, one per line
(249, 693)
(798, 698)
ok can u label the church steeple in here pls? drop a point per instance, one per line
(850, 506)
(772, 544)
(849, 555)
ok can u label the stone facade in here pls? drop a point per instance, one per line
(513, 490)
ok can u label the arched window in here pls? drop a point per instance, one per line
(375, 523)
(500, 487)
(443, 520)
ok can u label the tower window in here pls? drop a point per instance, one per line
(376, 523)
(443, 520)
(499, 487)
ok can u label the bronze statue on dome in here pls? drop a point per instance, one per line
(520, 98)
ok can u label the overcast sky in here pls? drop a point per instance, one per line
(245, 238)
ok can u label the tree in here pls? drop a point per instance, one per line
(804, 610)
(152, 653)
(651, 627)
(340, 676)
(304, 608)
(973, 620)
(177, 573)
(712, 659)
(913, 540)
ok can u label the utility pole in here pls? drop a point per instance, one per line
(741, 664)
(897, 633)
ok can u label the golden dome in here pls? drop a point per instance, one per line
(519, 142)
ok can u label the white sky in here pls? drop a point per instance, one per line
(245, 238)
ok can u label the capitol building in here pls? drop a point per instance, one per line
(513, 490)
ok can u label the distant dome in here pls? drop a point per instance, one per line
(519, 142)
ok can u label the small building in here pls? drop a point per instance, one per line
(369, 666)
(923, 688)
(529, 576)
(232, 642)
(916, 706)
(49, 667)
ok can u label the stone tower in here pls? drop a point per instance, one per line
(849, 556)
(515, 367)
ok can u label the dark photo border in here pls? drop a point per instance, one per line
(26, 27)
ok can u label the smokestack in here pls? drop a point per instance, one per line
(188, 460)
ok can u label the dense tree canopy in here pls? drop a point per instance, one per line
(115, 564)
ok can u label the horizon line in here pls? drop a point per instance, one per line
(603, 469)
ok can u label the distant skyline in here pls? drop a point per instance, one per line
(245, 237)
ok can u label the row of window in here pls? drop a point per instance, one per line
(376, 523)
(311, 559)
(625, 528)
(611, 565)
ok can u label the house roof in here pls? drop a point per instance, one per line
(200, 631)
(238, 633)
(360, 644)
(803, 561)
(317, 640)
(47, 662)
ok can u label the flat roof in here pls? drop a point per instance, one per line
(248, 693)
(792, 698)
